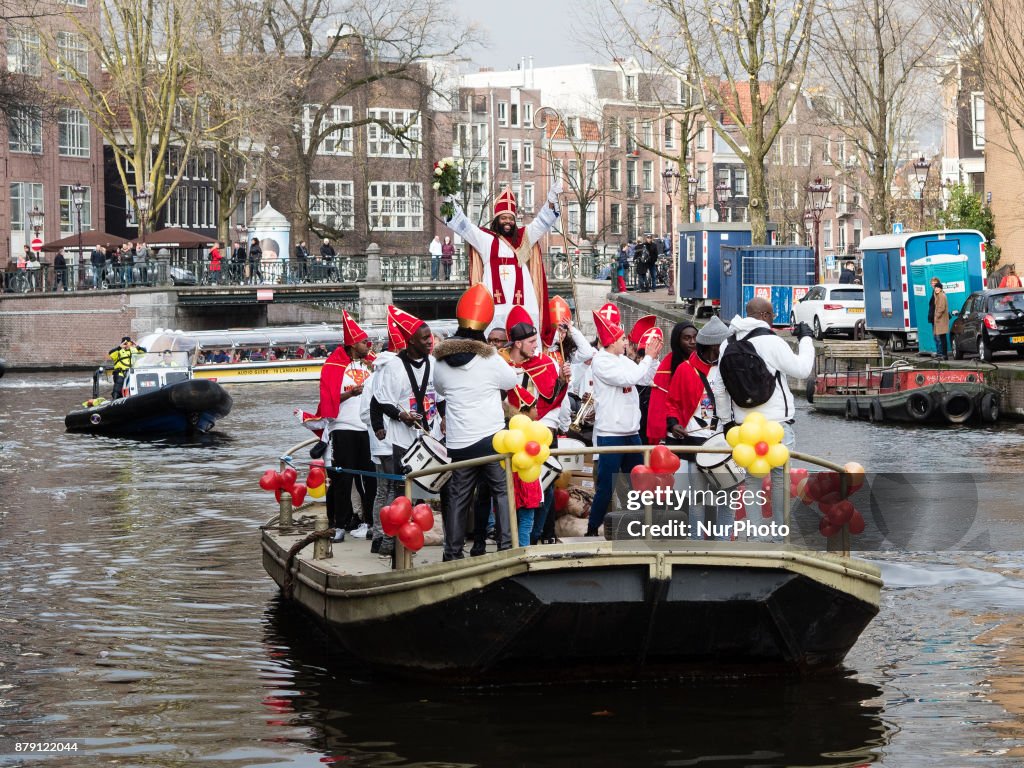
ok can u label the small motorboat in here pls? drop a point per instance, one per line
(159, 397)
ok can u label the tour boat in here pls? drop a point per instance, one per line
(160, 397)
(260, 355)
(905, 393)
(584, 608)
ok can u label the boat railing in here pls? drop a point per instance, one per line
(837, 544)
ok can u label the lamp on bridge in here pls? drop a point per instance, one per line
(691, 186)
(722, 194)
(921, 169)
(142, 201)
(78, 200)
(36, 218)
(817, 197)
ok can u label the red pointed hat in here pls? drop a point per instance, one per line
(642, 326)
(519, 397)
(607, 332)
(396, 343)
(519, 325)
(654, 333)
(506, 203)
(353, 333)
(558, 309)
(476, 308)
(407, 324)
(610, 313)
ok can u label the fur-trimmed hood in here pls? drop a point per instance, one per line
(457, 352)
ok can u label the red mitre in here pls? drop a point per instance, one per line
(476, 308)
(641, 327)
(519, 316)
(407, 324)
(610, 313)
(396, 342)
(558, 310)
(353, 333)
(506, 203)
(607, 332)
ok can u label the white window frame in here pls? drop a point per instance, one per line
(395, 206)
(528, 155)
(24, 51)
(503, 154)
(739, 182)
(25, 195)
(380, 143)
(68, 214)
(647, 176)
(614, 132)
(527, 115)
(72, 53)
(615, 175)
(332, 203)
(670, 133)
(503, 113)
(701, 137)
(528, 197)
(977, 123)
(73, 139)
(333, 144)
(25, 122)
(615, 214)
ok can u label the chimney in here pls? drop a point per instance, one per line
(532, 84)
(522, 68)
(486, 69)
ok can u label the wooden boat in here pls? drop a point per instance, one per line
(900, 391)
(585, 608)
(160, 398)
(262, 355)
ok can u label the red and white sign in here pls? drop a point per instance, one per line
(763, 292)
(799, 292)
(36, 244)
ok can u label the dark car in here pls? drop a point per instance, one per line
(990, 321)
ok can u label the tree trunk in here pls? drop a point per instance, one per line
(758, 196)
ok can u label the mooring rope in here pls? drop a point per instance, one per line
(288, 585)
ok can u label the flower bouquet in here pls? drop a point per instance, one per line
(447, 181)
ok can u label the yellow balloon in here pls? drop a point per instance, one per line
(545, 452)
(319, 492)
(772, 432)
(538, 433)
(498, 442)
(521, 460)
(755, 418)
(501, 463)
(777, 455)
(732, 437)
(751, 432)
(515, 441)
(744, 454)
(546, 438)
(530, 474)
(760, 467)
(519, 421)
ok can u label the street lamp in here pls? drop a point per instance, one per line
(36, 217)
(670, 179)
(817, 196)
(722, 194)
(142, 201)
(691, 187)
(921, 169)
(78, 200)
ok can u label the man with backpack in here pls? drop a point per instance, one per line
(752, 376)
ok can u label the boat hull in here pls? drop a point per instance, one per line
(945, 404)
(186, 407)
(594, 611)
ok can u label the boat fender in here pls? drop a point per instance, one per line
(920, 406)
(957, 407)
(852, 412)
(876, 412)
(811, 382)
(988, 409)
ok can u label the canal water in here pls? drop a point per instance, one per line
(137, 623)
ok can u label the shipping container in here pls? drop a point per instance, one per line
(890, 281)
(699, 260)
(780, 273)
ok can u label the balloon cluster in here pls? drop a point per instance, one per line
(316, 480)
(657, 473)
(279, 482)
(757, 444)
(824, 488)
(400, 518)
(528, 441)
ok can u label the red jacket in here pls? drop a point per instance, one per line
(686, 390)
(528, 495)
(657, 407)
(331, 376)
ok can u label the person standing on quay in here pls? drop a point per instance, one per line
(939, 318)
(435, 250)
(447, 257)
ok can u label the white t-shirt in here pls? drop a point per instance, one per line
(396, 389)
(357, 373)
(472, 397)
(616, 402)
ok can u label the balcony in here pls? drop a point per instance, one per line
(633, 192)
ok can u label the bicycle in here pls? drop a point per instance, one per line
(18, 282)
(561, 269)
(349, 273)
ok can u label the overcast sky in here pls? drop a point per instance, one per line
(518, 28)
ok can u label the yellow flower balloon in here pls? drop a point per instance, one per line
(545, 452)
(759, 467)
(732, 437)
(538, 433)
(498, 441)
(755, 418)
(521, 460)
(773, 433)
(515, 441)
(778, 454)
(751, 431)
(744, 454)
(519, 422)
(531, 474)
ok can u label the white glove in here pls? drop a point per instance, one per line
(555, 191)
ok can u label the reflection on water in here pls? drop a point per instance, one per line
(136, 621)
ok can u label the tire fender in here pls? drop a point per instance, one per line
(810, 389)
(852, 412)
(920, 406)
(876, 412)
(988, 408)
(957, 407)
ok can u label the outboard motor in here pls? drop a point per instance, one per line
(96, 382)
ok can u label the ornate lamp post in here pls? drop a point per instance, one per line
(817, 196)
(722, 194)
(142, 200)
(242, 235)
(77, 200)
(691, 187)
(921, 169)
(36, 217)
(670, 179)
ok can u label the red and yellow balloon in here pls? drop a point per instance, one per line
(757, 444)
(528, 441)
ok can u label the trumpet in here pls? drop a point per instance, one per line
(584, 414)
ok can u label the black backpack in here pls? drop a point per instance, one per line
(744, 373)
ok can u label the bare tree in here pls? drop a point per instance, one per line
(21, 87)
(875, 56)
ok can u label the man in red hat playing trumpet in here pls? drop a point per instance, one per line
(506, 258)
(470, 377)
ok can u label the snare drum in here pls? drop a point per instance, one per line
(428, 453)
(719, 469)
(549, 472)
(572, 463)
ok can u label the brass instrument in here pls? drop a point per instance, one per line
(584, 415)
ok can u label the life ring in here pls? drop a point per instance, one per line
(919, 379)
(957, 407)
(810, 389)
(852, 412)
(920, 406)
(875, 411)
(988, 408)
(971, 378)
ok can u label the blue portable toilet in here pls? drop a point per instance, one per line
(773, 272)
(889, 283)
(698, 259)
(952, 271)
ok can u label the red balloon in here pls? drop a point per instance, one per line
(411, 535)
(826, 528)
(423, 516)
(403, 506)
(288, 478)
(388, 523)
(828, 482)
(663, 480)
(826, 502)
(840, 513)
(316, 477)
(532, 448)
(270, 480)
(663, 461)
(741, 514)
(856, 522)
(766, 510)
(766, 484)
(642, 478)
(797, 474)
(277, 495)
(298, 494)
(561, 499)
(761, 448)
